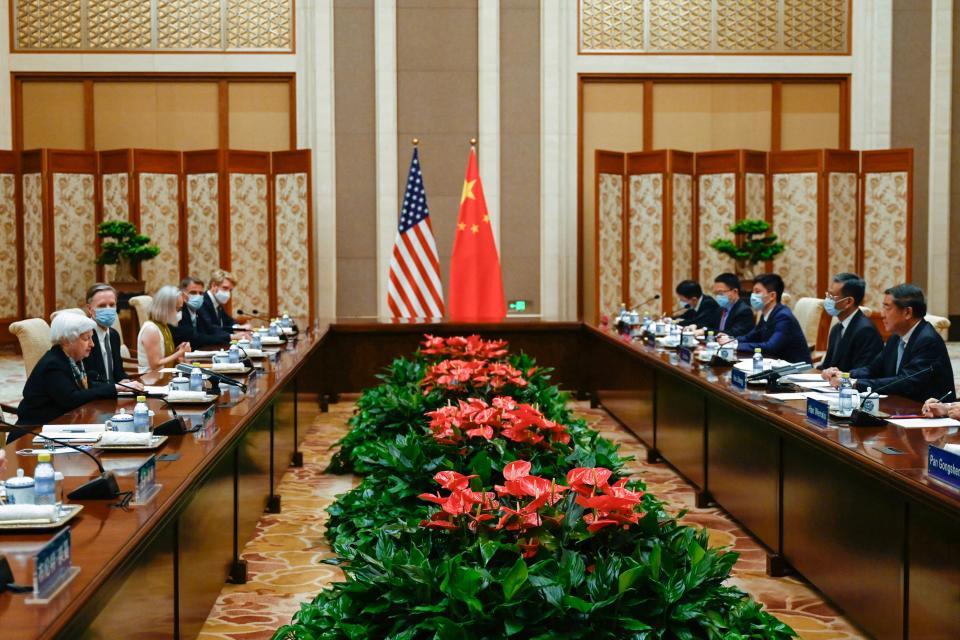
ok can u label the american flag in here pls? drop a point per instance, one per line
(414, 290)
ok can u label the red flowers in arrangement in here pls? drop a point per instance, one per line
(469, 348)
(528, 506)
(503, 417)
(468, 375)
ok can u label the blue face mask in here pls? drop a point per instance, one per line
(684, 304)
(830, 306)
(723, 300)
(195, 301)
(105, 316)
(756, 301)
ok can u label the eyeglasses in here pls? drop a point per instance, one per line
(830, 296)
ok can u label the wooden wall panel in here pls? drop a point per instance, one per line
(886, 216)
(251, 229)
(293, 211)
(610, 236)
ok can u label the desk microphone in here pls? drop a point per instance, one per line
(213, 375)
(647, 301)
(860, 418)
(175, 426)
(252, 314)
(103, 487)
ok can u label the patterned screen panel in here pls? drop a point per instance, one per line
(160, 219)
(292, 246)
(203, 224)
(714, 26)
(115, 189)
(645, 237)
(842, 216)
(249, 241)
(8, 258)
(74, 222)
(755, 205)
(33, 277)
(153, 25)
(795, 221)
(717, 211)
(610, 250)
(884, 231)
(682, 227)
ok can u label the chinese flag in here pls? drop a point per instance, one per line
(476, 286)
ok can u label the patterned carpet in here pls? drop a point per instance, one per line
(283, 558)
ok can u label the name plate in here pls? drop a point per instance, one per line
(686, 354)
(738, 378)
(818, 413)
(147, 486)
(943, 466)
(52, 568)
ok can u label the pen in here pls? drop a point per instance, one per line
(907, 415)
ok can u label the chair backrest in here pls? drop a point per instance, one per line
(34, 337)
(808, 312)
(786, 299)
(941, 324)
(142, 305)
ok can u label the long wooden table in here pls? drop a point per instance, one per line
(866, 527)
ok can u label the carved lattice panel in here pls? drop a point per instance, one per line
(258, 24)
(714, 26)
(118, 24)
(51, 24)
(189, 24)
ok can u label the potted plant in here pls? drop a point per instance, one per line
(750, 246)
(124, 246)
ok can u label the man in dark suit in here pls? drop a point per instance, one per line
(59, 382)
(212, 317)
(701, 310)
(854, 341)
(192, 328)
(777, 334)
(105, 363)
(736, 316)
(914, 347)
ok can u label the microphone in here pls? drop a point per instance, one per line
(252, 314)
(647, 301)
(214, 376)
(103, 487)
(860, 418)
(780, 371)
(175, 426)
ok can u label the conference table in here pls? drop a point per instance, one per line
(850, 509)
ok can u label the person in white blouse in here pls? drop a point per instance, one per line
(155, 346)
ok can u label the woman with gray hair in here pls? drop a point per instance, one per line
(59, 382)
(155, 348)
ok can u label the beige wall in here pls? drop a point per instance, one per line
(810, 116)
(354, 93)
(711, 116)
(910, 114)
(437, 102)
(259, 115)
(520, 150)
(613, 121)
(53, 115)
(155, 115)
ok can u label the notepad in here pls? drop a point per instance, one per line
(919, 423)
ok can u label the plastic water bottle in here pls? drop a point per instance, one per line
(274, 330)
(712, 345)
(58, 490)
(45, 482)
(233, 355)
(196, 379)
(757, 361)
(255, 342)
(141, 416)
(845, 396)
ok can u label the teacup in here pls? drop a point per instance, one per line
(122, 422)
(20, 489)
(180, 383)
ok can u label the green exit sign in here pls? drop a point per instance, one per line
(517, 306)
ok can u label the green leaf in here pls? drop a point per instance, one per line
(579, 604)
(514, 579)
(628, 577)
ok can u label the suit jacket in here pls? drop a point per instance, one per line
(739, 321)
(93, 363)
(779, 336)
(860, 344)
(51, 390)
(212, 318)
(193, 330)
(924, 349)
(706, 315)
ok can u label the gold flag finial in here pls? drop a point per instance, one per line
(473, 142)
(415, 141)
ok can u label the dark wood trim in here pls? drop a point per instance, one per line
(293, 113)
(845, 113)
(16, 113)
(647, 115)
(18, 197)
(223, 114)
(89, 124)
(272, 241)
(49, 240)
(776, 115)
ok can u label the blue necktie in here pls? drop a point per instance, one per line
(901, 346)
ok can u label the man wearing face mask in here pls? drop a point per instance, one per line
(777, 334)
(854, 341)
(700, 310)
(212, 312)
(736, 317)
(105, 362)
(192, 327)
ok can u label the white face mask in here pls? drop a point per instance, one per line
(179, 316)
(222, 296)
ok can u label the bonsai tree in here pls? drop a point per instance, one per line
(124, 246)
(750, 246)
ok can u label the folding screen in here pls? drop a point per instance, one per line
(886, 214)
(610, 234)
(116, 196)
(10, 240)
(293, 223)
(203, 194)
(250, 230)
(156, 183)
(660, 224)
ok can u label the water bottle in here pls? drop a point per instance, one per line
(845, 395)
(712, 345)
(58, 490)
(255, 342)
(141, 416)
(196, 379)
(286, 322)
(646, 321)
(233, 355)
(45, 482)
(757, 361)
(273, 331)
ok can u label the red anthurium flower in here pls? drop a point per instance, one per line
(516, 469)
(453, 481)
(530, 548)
